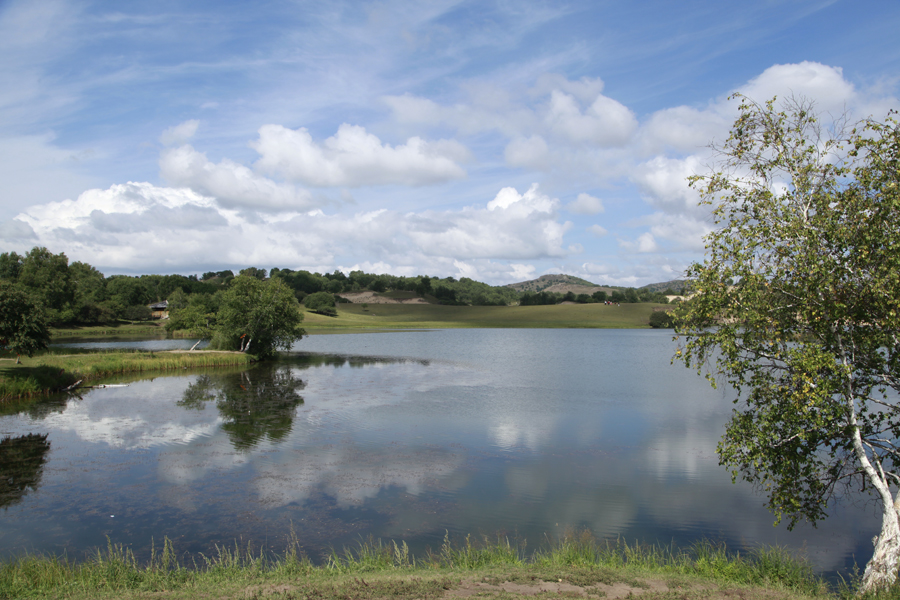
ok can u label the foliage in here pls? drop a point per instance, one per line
(254, 272)
(46, 275)
(662, 319)
(10, 265)
(321, 303)
(23, 326)
(263, 314)
(796, 306)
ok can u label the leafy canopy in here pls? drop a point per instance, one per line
(258, 316)
(798, 294)
(23, 325)
(797, 306)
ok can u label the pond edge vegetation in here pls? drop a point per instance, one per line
(52, 373)
(374, 569)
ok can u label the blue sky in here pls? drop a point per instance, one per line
(498, 141)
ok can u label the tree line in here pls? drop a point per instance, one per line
(78, 294)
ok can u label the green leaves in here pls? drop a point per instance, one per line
(798, 302)
(263, 315)
(23, 326)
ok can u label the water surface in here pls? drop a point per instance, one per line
(404, 436)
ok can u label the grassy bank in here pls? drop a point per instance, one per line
(52, 372)
(437, 316)
(576, 566)
(123, 329)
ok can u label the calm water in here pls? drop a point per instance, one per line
(401, 436)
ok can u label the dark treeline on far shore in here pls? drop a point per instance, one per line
(78, 293)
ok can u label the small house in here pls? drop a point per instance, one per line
(160, 310)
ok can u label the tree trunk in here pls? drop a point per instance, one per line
(881, 572)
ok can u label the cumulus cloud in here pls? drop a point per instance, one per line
(684, 129)
(179, 134)
(664, 184)
(820, 83)
(585, 89)
(597, 230)
(571, 112)
(33, 170)
(513, 226)
(135, 226)
(585, 204)
(353, 157)
(604, 123)
(232, 184)
(644, 243)
(529, 153)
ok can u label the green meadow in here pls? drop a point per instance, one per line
(439, 316)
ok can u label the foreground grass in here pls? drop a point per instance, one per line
(576, 566)
(52, 372)
(437, 316)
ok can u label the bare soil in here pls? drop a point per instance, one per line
(450, 587)
(373, 298)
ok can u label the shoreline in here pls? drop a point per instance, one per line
(53, 373)
(577, 566)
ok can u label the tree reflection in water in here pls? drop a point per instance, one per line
(21, 465)
(256, 404)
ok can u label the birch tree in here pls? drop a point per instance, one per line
(798, 309)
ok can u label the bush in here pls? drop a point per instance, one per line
(662, 319)
(321, 303)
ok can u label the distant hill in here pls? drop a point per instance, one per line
(675, 285)
(561, 284)
(567, 283)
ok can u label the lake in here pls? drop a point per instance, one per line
(403, 436)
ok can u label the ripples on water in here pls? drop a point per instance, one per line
(402, 436)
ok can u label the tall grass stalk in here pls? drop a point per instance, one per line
(574, 557)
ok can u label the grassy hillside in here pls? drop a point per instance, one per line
(436, 316)
(545, 281)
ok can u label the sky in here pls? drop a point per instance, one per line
(493, 140)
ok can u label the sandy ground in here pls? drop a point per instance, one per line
(373, 298)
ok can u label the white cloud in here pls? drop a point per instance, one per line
(529, 153)
(605, 123)
(820, 83)
(137, 225)
(16, 230)
(664, 183)
(353, 157)
(179, 134)
(645, 243)
(685, 129)
(684, 231)
(597, 230)
(585, 89)
(232, 184)
(585, 204)
(575, 113)
(33, 170)
(514, 226)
